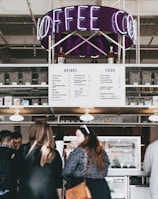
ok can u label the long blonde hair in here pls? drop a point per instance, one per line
(41, 134)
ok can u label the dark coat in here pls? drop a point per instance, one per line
(35, 181)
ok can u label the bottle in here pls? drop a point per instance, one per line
(110, 56)
(61, 58)
(115, 58)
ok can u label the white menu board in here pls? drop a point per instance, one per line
(86, 85)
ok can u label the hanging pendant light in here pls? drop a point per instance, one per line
(154, 117)
(16, 117)
(86, 117)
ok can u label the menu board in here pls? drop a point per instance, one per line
(86, 85)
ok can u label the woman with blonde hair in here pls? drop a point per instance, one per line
(39, 165)
(88, 160)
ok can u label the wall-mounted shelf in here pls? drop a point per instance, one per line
(141, 84)
(23, 85)
(134, 111)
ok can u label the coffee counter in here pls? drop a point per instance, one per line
(128, 184)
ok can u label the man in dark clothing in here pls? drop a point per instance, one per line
(6, 155)
(17, 140)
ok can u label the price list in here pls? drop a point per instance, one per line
(86, 85)
(110, 86)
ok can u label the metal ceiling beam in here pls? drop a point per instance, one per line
(40, 7)
(32, 15)
(3, 38)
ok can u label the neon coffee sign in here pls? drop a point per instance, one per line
(86, 18)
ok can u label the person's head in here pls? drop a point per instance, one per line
(6, 137)
(17, 140)
(41, 134)
(86, 137)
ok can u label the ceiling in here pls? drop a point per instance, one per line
(18, 42)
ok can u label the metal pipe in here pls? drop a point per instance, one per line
(2, 36)
(32, 15)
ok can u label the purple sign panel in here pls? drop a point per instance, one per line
(61, 21)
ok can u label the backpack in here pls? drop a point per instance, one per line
(5, 168)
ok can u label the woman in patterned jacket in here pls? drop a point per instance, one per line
(97, 163)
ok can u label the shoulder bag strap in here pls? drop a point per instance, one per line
(85, 166)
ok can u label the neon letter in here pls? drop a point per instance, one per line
(80, 18)
(131, 28)
(67, 17)
(43, 27)
(116, 22)
(56, 20)
(92, 18)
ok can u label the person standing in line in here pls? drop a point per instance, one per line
(97, 163)
(17, 140)
(6, 169)
(16, 143)
(150, 167)
(39, 165)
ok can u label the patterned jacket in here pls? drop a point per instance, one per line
(74, 166)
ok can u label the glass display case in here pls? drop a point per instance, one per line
(124, 152)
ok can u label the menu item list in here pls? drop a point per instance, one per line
(86, 85)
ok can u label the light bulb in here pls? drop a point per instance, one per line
(16, 117)
(153, 118)
(86, 117)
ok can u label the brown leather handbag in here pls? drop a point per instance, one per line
(80, 191)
